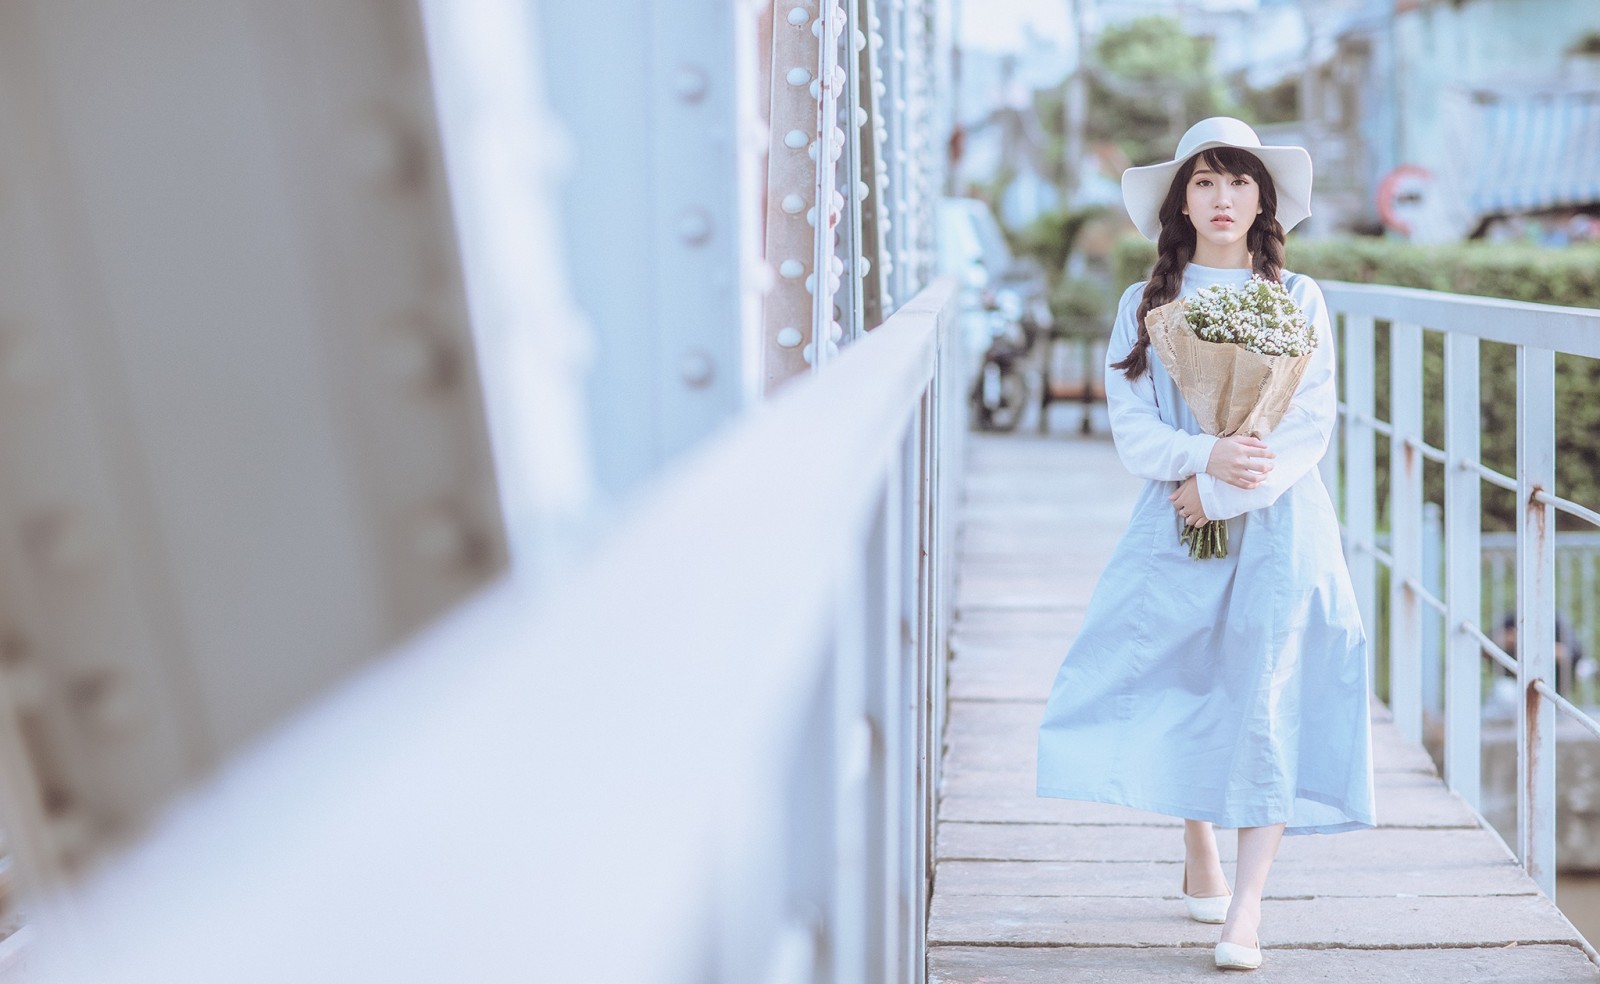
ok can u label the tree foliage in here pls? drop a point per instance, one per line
(1150, 80)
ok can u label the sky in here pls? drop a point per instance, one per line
(997, 24)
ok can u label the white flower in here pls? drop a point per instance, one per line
(1258, 315)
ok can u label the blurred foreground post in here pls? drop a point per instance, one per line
(243, 447)
(252, 442)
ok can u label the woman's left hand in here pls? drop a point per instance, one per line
(1187, 501)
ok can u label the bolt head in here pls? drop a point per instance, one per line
(697, 369)
(691, 83)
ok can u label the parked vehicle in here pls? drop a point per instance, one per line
(1000, 393)
(1006, 314)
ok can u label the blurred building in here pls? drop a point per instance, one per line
(1441, 120)
(1501, 103)
(1435, 120)
(1002, 136)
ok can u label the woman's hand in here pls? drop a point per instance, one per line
(1241, 461)
(1187, 501)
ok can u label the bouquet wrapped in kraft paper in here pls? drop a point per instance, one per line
(1237, 356)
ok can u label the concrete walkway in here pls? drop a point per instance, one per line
(1035, 890)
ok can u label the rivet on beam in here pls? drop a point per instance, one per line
(807, 352)
(789, 337)
(58, 542)
(444, 539)
(104, 702)
(694, 226)
(417, 357)
(697, 369)
(691, 83)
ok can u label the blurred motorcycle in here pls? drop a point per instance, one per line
(1000, 393)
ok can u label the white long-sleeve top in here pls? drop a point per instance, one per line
(1158, 440)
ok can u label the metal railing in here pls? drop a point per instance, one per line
(710, 754)
(1577, 589)
(1538, 333)
(1577, 609)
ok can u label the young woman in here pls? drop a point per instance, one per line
(1229, 691)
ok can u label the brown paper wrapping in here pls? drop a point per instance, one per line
(1229, 389)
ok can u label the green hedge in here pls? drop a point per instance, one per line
(1569, 276)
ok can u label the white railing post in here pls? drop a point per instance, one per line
(929, 731)
(851, 746)
(886, 669)
(1328, 466)
(910, 884)
(1463, 599)
(1405, 527)
(878, 591)
(1536, 634)
(1433, 652)
(1360, 505)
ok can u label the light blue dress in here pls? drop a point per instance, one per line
(1232, 690)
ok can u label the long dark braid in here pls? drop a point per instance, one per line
(1175, 247)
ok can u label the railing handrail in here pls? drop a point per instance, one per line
(1571, 330)
(1538, 332)
(550, 761)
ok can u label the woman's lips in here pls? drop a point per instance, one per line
(1222, 220)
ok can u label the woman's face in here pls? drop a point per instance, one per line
(1221, 207)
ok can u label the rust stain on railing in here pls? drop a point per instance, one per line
(1541, 515)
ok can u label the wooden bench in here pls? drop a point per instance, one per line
(1072, 374)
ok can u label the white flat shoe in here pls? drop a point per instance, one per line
(1236, 956)
(1211, 909)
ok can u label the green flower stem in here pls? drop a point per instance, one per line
(1206, 542)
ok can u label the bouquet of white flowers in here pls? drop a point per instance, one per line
(1237, 354)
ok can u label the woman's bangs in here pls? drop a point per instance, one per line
(1230, 160)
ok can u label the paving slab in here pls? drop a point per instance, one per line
(1020, 680)
(1021, 805)
(1537, 964)
(1443, 920)
(1010, 592)
(1390, 847)
(1040, 625)
(1290, 878)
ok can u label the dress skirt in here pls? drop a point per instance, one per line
(1233, 690)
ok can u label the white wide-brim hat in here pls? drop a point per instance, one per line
(1145, 188)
